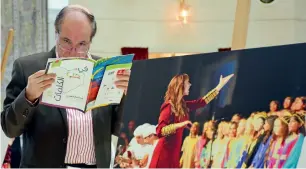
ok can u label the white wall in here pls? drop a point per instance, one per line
(54, 7)
(271, 24)
(147, 23)
(300, 22)
(4, 140)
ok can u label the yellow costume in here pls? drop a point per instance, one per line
(189, 152)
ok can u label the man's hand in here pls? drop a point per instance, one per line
(123, 80)
(38, 83)
(143, 162)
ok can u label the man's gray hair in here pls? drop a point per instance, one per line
(60, 16)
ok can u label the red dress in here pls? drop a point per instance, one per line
(167, 152)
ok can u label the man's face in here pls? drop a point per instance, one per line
(140, 140)
(73, 39)
(149, 139)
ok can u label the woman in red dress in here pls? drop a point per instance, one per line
(174, 117)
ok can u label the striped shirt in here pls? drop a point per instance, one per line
(80, 143)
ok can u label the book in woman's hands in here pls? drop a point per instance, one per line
(85, 84)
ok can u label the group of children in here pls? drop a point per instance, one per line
(274, 139)
(263, 140)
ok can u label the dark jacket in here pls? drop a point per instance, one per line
(44, 128)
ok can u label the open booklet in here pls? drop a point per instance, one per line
(85, 84)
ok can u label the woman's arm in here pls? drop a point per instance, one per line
(195, 104)
(165, 127)
(192, 105)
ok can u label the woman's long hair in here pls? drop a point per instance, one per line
(301, 120)
(175, 94)
(204, 131)
(270, 120)
(255, 133)
(284, 122)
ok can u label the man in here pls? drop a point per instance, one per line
(55, 137)
(138, 149)
(151, 139)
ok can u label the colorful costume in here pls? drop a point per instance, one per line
(252, 151)
(247, 144)
(294, 156)
(280, 152)
(219, 152)
(302, 161)
(233, 153)
(258, 160)
(189, 153)
(199, 147)
(206, 155)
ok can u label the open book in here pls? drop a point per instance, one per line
(85, 84)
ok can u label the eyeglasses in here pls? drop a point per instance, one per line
(66, 45)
